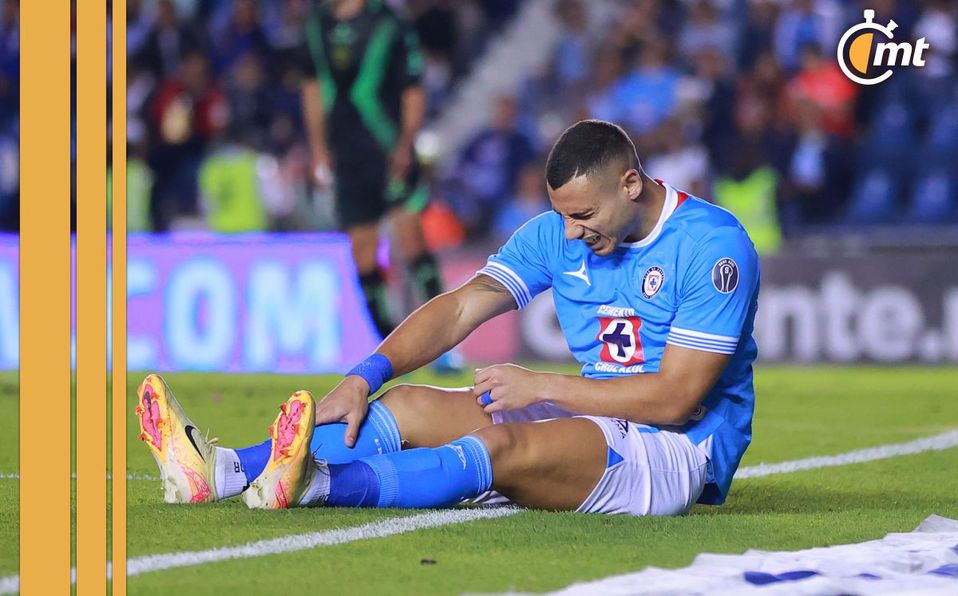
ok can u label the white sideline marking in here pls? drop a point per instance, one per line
(933, 443)
(141, 477)
(400, 525)
(16, 476)
(285, 544)
(10, 585)
(296, 542)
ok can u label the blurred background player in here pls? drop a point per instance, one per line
(363, 105)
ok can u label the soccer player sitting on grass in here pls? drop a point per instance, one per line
(655, 292)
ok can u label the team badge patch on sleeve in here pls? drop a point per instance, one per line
(725, 275)
(652, 281)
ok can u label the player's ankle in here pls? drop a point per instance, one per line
(318, 488)
(229, 477)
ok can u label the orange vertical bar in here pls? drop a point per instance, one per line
(45, 297)
(119, 298)
(91, 298)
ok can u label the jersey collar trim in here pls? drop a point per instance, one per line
(671, 202)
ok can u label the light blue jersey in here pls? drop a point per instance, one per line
(693, 282)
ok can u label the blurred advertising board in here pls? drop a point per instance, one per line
(291, 303)
(9, 302)
(881, 307)
(286, 303)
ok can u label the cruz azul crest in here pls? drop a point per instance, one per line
(652, 281)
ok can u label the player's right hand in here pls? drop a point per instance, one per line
(322, 168)
(348, 402)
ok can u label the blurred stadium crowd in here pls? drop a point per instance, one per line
(738, 101)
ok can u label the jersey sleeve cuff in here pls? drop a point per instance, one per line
(510, 279)
(698, 340)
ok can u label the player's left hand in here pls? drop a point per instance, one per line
(400, 162)
(510, 387)
(347, 402)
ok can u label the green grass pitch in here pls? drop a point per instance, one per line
(800, 412)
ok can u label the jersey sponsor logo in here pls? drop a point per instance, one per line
(623, 426)
(725, 275)
(652, 281)
(615, 311)
(607, 367)
(342, 39)
(620, 340)
(580, 273)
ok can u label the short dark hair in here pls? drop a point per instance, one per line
(587, 147)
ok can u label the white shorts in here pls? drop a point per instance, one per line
(648, 472)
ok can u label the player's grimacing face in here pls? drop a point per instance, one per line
(596, 209)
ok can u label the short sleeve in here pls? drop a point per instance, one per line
(716, 292)
(408, 57)
(311, 55)
(522, 265)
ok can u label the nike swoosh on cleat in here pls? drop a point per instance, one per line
(189, 435)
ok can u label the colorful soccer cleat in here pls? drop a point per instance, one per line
(291, 464)
(186, 460)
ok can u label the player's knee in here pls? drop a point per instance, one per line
(410, 239)
(412, 408)
(365, 259)
(401, 398)
(507, 450)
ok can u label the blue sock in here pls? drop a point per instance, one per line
(417, 478)
(378, 434)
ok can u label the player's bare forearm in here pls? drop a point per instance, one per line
(667, 397)
(413, 114)
(443, 322)
(313, 115)
(433, 329)
(642, 399)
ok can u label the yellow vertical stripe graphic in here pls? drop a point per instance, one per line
(119, 297)
(45, 298)
(91, 298)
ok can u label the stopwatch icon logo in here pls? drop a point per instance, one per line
(867, 61)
